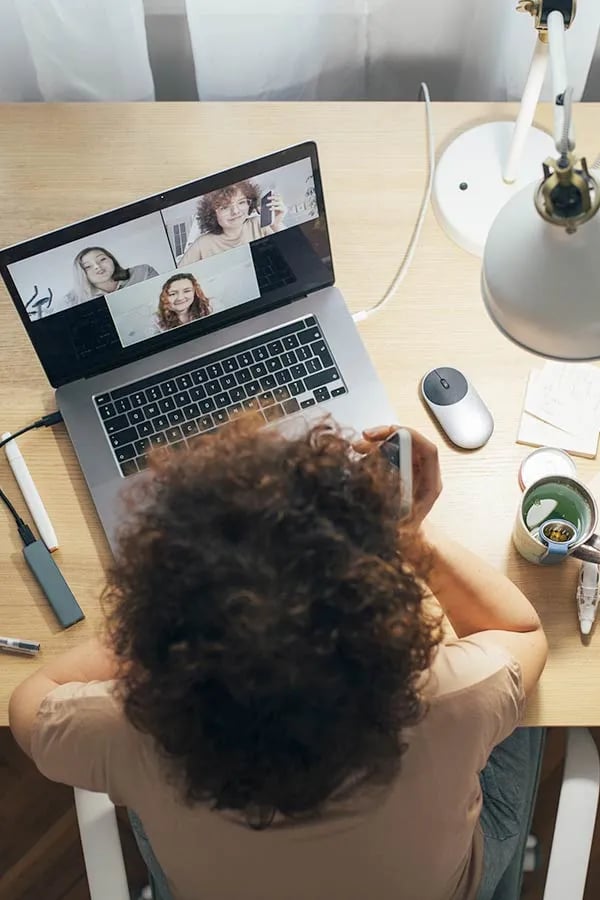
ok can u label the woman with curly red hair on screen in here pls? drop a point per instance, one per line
(181, 301)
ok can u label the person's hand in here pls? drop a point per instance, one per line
(278, 211)
(427, 479)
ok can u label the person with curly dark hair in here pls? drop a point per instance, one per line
(272, 699)
(181, 301)
(229, 217)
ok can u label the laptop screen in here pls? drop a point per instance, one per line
(152, 274)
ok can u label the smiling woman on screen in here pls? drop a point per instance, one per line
(96, 271)
(230, 217)
(181, 301)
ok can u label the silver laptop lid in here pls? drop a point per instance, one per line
(130, 282)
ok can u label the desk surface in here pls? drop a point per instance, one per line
(60, 163)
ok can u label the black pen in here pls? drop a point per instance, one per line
(29, 648)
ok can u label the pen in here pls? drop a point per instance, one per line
(30, 648)
(30, 493)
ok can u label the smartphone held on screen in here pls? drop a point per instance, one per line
(266, 213)
(397, 449)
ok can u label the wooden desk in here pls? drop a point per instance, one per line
(60, 163)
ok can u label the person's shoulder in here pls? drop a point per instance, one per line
(473, 698)
(194, 252)
(90, 700)
(82, 737)
(157, 326)
(141, 272)
(464, 664)
(83, 714)
(148, 270)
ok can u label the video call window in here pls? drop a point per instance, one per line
(93, 267)
(242, 212)
(185, 295)
(172, 267)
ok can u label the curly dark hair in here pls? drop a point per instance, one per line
(269, 627)
(207, 217)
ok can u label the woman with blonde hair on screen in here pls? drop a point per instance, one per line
(96, 272)
(230, 217)
(181, 301)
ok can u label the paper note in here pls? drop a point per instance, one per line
(537, 433)
(566, 395)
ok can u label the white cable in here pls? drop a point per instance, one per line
(410, 250)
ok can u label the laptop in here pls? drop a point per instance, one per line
(160, 321)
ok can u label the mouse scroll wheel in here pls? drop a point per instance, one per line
(444, 383)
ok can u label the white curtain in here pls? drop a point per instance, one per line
(281, 49)
(373, 49)
(74, 50)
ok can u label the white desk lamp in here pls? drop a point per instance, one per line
(541, 263)
(486, 165)
(540, 242)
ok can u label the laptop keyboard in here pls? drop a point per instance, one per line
(273, 375)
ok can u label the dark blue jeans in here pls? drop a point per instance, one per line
(509, 783)
(158, 882)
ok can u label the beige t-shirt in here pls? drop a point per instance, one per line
(416, 839)
(211, 244)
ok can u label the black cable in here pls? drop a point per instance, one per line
(13, 511)
(45, 422)
(27, 535)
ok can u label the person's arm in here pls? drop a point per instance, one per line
(480, 602)
(193, 254)
(90, 661)
(474, 595)
(485, 605)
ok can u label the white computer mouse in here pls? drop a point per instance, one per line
(457, 406)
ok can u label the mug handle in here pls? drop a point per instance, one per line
(590, 551)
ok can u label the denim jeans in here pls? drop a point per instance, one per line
(509, 783)
(158, 881)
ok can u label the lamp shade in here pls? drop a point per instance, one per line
(541, 285)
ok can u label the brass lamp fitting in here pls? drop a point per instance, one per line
(541, 9)
(568, 196)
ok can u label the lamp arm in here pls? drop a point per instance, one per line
(529, 101)
(564, 136)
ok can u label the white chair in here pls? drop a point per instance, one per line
(575, 818)
(569, 857)
(101, 846)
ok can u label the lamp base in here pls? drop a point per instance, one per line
(469, 191)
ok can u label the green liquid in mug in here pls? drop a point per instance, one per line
(555, 501)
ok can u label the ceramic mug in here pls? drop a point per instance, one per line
(557, 517)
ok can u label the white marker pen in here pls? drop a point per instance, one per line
(30, 493)
(16, 645)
